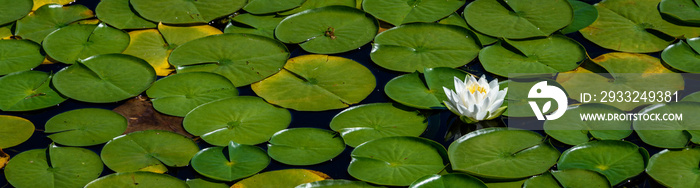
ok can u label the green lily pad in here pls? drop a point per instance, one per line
(137, 179)
(76, 42)
(118, 13)
(328, 30)
(407, 48)
(684, 10)
(397, 161)
(518, 19)
(675, 168)
(312, 4)
(282, 178)
(617, 160)
(19, 55)
(517, 99)
(506, 184)
(448, 180)
(50, 18)
(693, 97)
(178, 94)
(28, 90)
(455, 19)
(53, 167)
(150, 150)
(14, 130)
(6, 30)
(263, 25)
(584, 15)
(184, 12)
(317, 83)
(553, 54)
(568, 178)
(230, 163)
(502, 153)
(14, 10)
(305, 146)
(244, 120)
(570, 129)
(85, 127)
(398, 12)
(363, 123)
(271, 6)
(241, 58)
(108, 77)
(423, 91)
(682, 57)
(670, 134)
(202, 183)
(337, 183)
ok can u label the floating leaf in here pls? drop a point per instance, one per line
(617, 160)
(407, 48)
(312, 4)
(137, 179)
(263, 25)
(328, 30)
(270, 6)
(19, 55)
(77, 42)
(682, 57)
(673, 133)
(398, 12)
(202, 183)
(178, 94)
(230, 163)
(4, 157)
(423, 91)
(553, 54)
(183, 12)
(53, 167)
(14, 10)
(150, 150)
(282, 178)
(336, 183)
(40, 3)
(684, 10)
(584, 15)
(142, 116)
(244, 120)
(675, 168)
(305, 146)
(448, 180)
(85, 127)
(455, 19)
(517, 98)
(517, 19)
(506, 184)
(317, 83)
(693, 97)
(28, 90)
(568, 178)
(571, 129)
(14, 131)
(363, 123)
(50, 18)
(6, 30)
(118, 13)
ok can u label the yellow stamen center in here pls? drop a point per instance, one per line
(476, 87)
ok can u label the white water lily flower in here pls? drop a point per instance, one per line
(475, 101)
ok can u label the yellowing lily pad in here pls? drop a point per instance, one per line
(76, 42)
(85, 127)
(150, 150)
(282, 178)
(398, 12)
(118, 13)
(136, 180)
(178, 94)
(53, 167)
(363, 123)
(19, 55)
(28, 90)
(40, 3)
(14, 130)
(184, 12)
(518, 19)
(14, 10)
(553, 54)
(49, 18)
(305, 146)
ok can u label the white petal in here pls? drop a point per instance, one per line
(449, 94)
(493, 85)
(472, 80)
(482, 81)
(495, 105)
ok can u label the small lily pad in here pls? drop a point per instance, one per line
(312, 4)
(570, 129)
(271, 6)
(178, 94)
(682, 57)
(518, 19)
(553, 54)
(118, 13)
(230, 163)
(85, 127)
(669, 134)
(137, 179)
(584, 15)
(53, 167)
(50, 18)
(76, 42)
(448, 180)
(337, 183)
(684, 10)
(363, 123)
(184, 12)
(263, 25)
(305, 146)
(28, 90)
(14, 130)
(423, 91)
(573, 177)
(282, 178)
(150, 150)
(675, 168)
(617, 160)
(14, 10)
(19, 55)
(398, 12)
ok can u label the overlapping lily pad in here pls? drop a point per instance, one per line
(282, 178)
(230, 163)
(270, 6)
(672, 133)
(150, 150)
(675, 168)
(6, 30)
(553, 54)
(448, 180)
(183, 12)
(178, 94)
(684, 10)
(19, 55)
(312, 4)
(328, 30)
(398, 12)
(617, 160)
(108, 78)
(14, 130)
(76, 42)
(363, 123)
(397, 161)
(263, 25)
(518, 19)
(693, 97)
(305, 146)
(118, 13)
(455, 19)
(49, 18)
(244, 120)
(317, 83)
(14, 10)
(203, 183)
(573, 177)
(407, 48)
(682, 56)
(571, 129)
(53, 167)
(241, 58)
(40, 3)
(584, 15)
(517, 98)
(337, 183)
(28, 90)
(502, 153)
(85, 127)
(423, 91)
(137, 179)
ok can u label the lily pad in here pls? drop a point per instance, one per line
(137, 179)
(407, 48)
(282, 178)
(271, 6)
(184, 12)
(305, 146)
(85, 127)
(398, 12)
(178, 94)
(363, 123)
(423, 91)
(584, 15)
(502, 153)
(50, 18)
(675, 168)
(518, 19)
(328, 30)
(118, 13)
(241, 58)
(76, 42)
(336, 183)
(397, 161)
(448, 180)
(553, 54)
(517, 99)
(202, 183)
(312, 4)
(108, 77)
(455, 19)
(244, 120)
(573, 177)
(669, 134)
(28, 90)
(617, 160)
(230, 163)
(684, 10)
(263, 25)
(317, 83)
(682, 57)
(150, 150)
(53, 167)
(19, 55)
(693, 97)
(6, 30)
(571, 129)
(14, 10)
(14, 130)
(40, 3)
